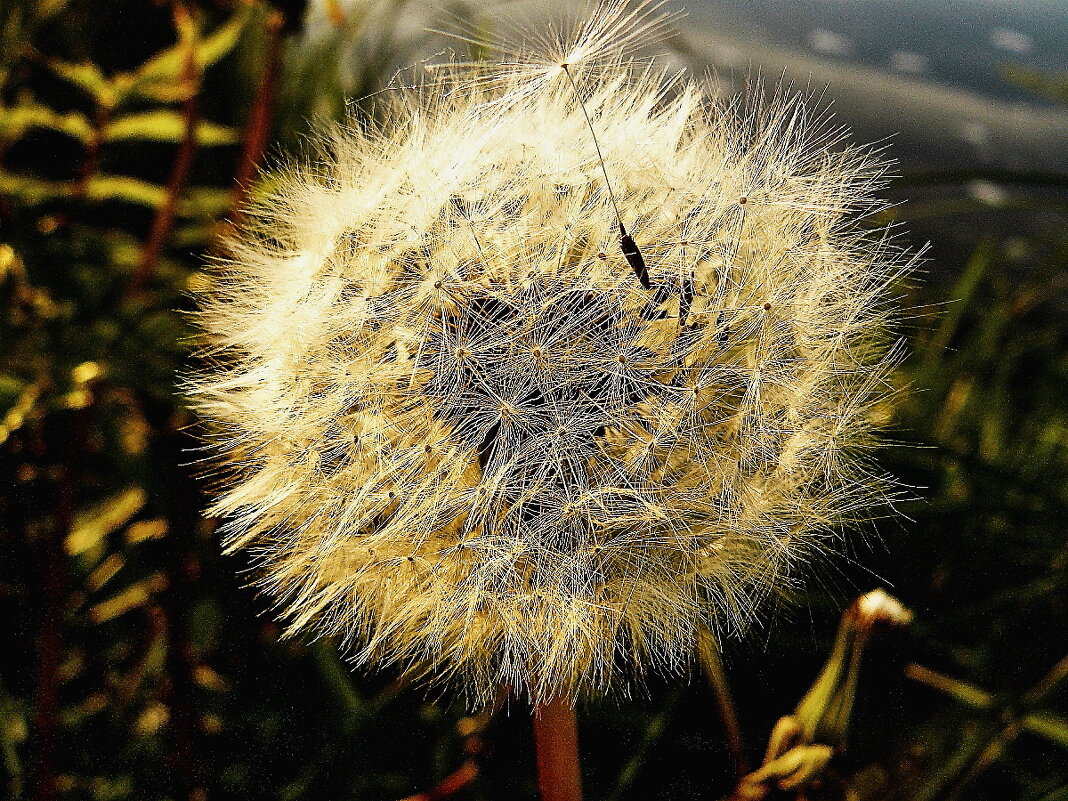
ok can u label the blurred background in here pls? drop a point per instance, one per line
(137, 664)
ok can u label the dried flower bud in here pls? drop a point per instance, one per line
(823, 714)
(462, 435)
(801, 745)
(879, 606)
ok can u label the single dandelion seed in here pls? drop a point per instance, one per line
(626, 242)
(457, 434)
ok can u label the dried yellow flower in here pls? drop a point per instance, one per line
(463, 434)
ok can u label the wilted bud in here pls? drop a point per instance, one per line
(823, 713)
(802, 744)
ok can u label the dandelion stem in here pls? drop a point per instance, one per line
(556, 742)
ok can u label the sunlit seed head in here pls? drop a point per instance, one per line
(461, 433)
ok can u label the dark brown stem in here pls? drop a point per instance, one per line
(556, 742)
(92, 153)
(53, 605)
(182, 728)
(182, 569)
(163, 222)
(258, 126)
(708, 651)
(176, 497)
(50, 646)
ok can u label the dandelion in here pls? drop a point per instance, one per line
(565, 364)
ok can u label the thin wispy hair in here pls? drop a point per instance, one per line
(455, 430)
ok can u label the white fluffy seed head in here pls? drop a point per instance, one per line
(458, 432)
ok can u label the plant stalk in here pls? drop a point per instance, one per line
(163, 222)
(708, 654)
(258, 125)
(556, 743)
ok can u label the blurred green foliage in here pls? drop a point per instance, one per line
(136, 664)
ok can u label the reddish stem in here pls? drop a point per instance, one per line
(183, 160)
(556, 741)
(258, 126)
(451, 784)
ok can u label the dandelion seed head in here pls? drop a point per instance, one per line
(456, 430)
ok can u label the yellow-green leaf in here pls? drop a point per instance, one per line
(31, 191)
(88, 77)
(135, 595)
(160, 78)
(222, 39)
(126, 189)
(91, 705)
(105, 571)
(205, 202)
(15, 415)
(154, 718)
(10, 386)
(1052, 727)
(17, 120)
(166, 126)
(146, 530)
(199, 202)
(46, 9)
(1044, 84)
(90, 527)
